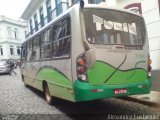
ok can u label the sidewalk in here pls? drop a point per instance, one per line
(152, 99)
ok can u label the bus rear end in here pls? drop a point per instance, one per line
(117, 61)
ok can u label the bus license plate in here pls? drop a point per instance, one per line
(120, 91)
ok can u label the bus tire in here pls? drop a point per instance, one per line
(24, 81)
(47, 94)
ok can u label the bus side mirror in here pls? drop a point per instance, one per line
(90, 58)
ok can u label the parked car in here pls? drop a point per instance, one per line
(4, 67)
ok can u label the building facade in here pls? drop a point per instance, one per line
(40, 12)
(12, 34)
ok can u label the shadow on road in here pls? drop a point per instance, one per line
(97, 109)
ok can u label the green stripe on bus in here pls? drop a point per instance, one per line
(101, 73)
(84, 91)
(60, 86)
(53, 76)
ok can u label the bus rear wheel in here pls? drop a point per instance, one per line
(48, 96)
(24, 81)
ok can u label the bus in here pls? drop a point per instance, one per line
(88, 53)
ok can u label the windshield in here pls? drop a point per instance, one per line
(104, 26)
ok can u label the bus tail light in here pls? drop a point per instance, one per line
(149, 66)
(82, 77)
(81, 61)
(84, 62)
(81, 68)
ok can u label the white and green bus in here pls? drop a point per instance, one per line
(88, 53)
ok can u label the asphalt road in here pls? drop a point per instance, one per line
(26, 103)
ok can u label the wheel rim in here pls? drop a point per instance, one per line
(47, 95)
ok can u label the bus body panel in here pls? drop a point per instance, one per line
(77, 43)
(86, 91)
(60, 86)
(103, 73)
(107, 70)
(58, 78)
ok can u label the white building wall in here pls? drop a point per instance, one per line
(38, 18)
(53, 4)
(148, 5)
(44, 9)
(33, 25)
(65, 7)
(150, 10)
(5, 51)
(2, 33)
(86, 1)
(6, 41)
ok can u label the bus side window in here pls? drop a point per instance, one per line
(54, 40)
(29, 51)
(46, 46)
(61, 45)
(23, 52)
(35, 50)
(68, 27)
(67, 35)
(57, 28)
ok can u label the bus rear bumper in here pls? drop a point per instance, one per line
(85, 91)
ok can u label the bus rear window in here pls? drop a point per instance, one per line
(104, 26)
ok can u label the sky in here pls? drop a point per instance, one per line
(13, 8)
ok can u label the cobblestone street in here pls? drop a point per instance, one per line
(27, 102)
